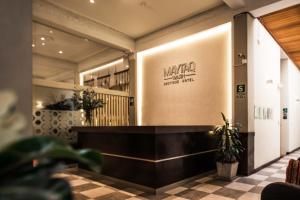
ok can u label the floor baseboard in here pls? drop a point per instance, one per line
(145, 188)
(266, 165)
(289, 152)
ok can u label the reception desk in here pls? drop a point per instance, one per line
(151, 156)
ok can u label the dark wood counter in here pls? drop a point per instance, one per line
(152, 156)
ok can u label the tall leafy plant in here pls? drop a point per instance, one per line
(229, 144)
(88, 102)
(19, 179)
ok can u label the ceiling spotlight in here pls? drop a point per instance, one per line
(33, 45)
(60, 52)
(92, 1)
(43, 39)
(51, 31)
(85, 39)
(43, 43)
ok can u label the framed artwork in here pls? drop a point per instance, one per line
(264, 113)
(260, 112)
(256, 112)
(269, 113)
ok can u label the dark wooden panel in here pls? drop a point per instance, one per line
(152, 156)
(160, 158)
(156, 175)
(178, 144)
(135, 171)
(179, 169)
(246, 165)
(136, 145)
(147, 142)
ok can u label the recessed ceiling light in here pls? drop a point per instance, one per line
(33, 45)
(60, 52)
(92, 1)
(85, 39)
(42, 38)
(51, 31)
(43, 43)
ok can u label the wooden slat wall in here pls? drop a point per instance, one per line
(115, 112)
(284, 26)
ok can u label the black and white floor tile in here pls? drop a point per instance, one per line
(86, 187)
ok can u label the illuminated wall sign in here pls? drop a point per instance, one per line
(181, 73)
(170, 72)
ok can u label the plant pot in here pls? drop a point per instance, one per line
(227, 171)
(88, 118)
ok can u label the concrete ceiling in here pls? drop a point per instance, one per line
(74, 49)
(44, 72)
(50, 64)
(136, 18)
(51, 68)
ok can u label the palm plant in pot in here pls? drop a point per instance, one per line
(229, 149)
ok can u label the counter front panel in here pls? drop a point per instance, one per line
(152, 156)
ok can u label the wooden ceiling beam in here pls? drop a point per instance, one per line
(284, 26)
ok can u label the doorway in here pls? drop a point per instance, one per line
(284, 110)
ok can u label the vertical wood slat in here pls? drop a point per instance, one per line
(104, 110)
(112, 110)
(101, 113)
(107, 110)
(123, 113)
(120, 111)
(113, 113)
(115, 110)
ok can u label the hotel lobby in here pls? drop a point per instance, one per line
(149, 99)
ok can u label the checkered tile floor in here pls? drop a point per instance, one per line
(86, 187)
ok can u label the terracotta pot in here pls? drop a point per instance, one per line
(227, 171)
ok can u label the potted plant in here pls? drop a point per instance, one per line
(88, 102)
(229, 149)
(85, 100)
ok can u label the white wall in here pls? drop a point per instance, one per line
(265, 53)
(52, 68)
(103, 57)
(48, 96)
(293, 106)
